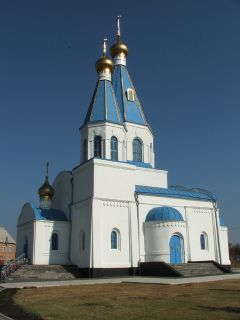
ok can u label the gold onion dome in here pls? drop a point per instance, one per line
(118, 49)
(104, 63)
(46, 191)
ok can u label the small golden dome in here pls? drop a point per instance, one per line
(119, 48)
(104, 64)
(46, 191)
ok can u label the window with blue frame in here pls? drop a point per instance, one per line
(98, 147)
(115, 240)
(203, 241)
(114, 149)
(137, 150)
(84, 150)
(54, 241)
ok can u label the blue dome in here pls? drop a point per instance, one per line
(164, 214)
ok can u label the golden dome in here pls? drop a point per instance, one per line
(119, 48)
(46, 191)
(104, 64)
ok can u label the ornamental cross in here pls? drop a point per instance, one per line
(118, 26)
(47, 165)
(104, 47)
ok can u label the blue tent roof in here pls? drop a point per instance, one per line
(103, 106)
(131, 111)
(174, 193)
(164, 214)
(52, 214)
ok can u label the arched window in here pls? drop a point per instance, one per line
(84, 150)
(130, 94)
(115, 240)
(54, 241)
(137, 150)
(82, 240)
(203, 241)
(98, 147)
(114, 148)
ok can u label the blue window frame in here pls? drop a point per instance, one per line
(114, 240)
(54, 241)
(203, 241)
(98, 147)
(137, 150)
(114, 148)
(84, 150)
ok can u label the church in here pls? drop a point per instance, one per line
(115, 211)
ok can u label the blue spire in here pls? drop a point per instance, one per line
(103, 106)
(131, 111)
(128, 101)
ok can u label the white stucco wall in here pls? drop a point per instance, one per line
(63, 192)
(43, 252)
(157, 237)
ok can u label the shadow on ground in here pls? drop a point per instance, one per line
(225, 309)
(11, 309)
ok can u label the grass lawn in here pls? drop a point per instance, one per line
(212, 300)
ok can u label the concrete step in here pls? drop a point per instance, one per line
(197, 269)
(45, 272)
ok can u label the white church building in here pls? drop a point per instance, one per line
(115, 210)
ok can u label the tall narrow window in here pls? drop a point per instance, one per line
(203, 241)
(115, 240)
(98, 147)
(137, 150)
(82, 240)
(84, 150)
(114, 148)
(54, 241)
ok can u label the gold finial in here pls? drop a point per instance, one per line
(118, 27)
(119, 48)
(104, 64)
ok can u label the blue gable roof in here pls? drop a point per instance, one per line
(51, 215)
(131, 111)
(103, 106)
(174, 193)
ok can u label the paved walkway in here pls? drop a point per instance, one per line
(158, 280)
(3, 317)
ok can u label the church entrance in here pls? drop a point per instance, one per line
(175, 249)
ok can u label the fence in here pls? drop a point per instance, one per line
(12, 266)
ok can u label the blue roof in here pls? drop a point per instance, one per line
(131, 111)
(174, 193)
(221, 221)
(164, 214)
(51, 214)
(103, 106)
(140, 164)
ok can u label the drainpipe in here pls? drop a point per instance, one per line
(137, 204)
(217, 229)
(70, 220)
(90, 274)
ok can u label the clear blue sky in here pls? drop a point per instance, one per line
(184, 58)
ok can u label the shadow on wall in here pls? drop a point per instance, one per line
(11, 309)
